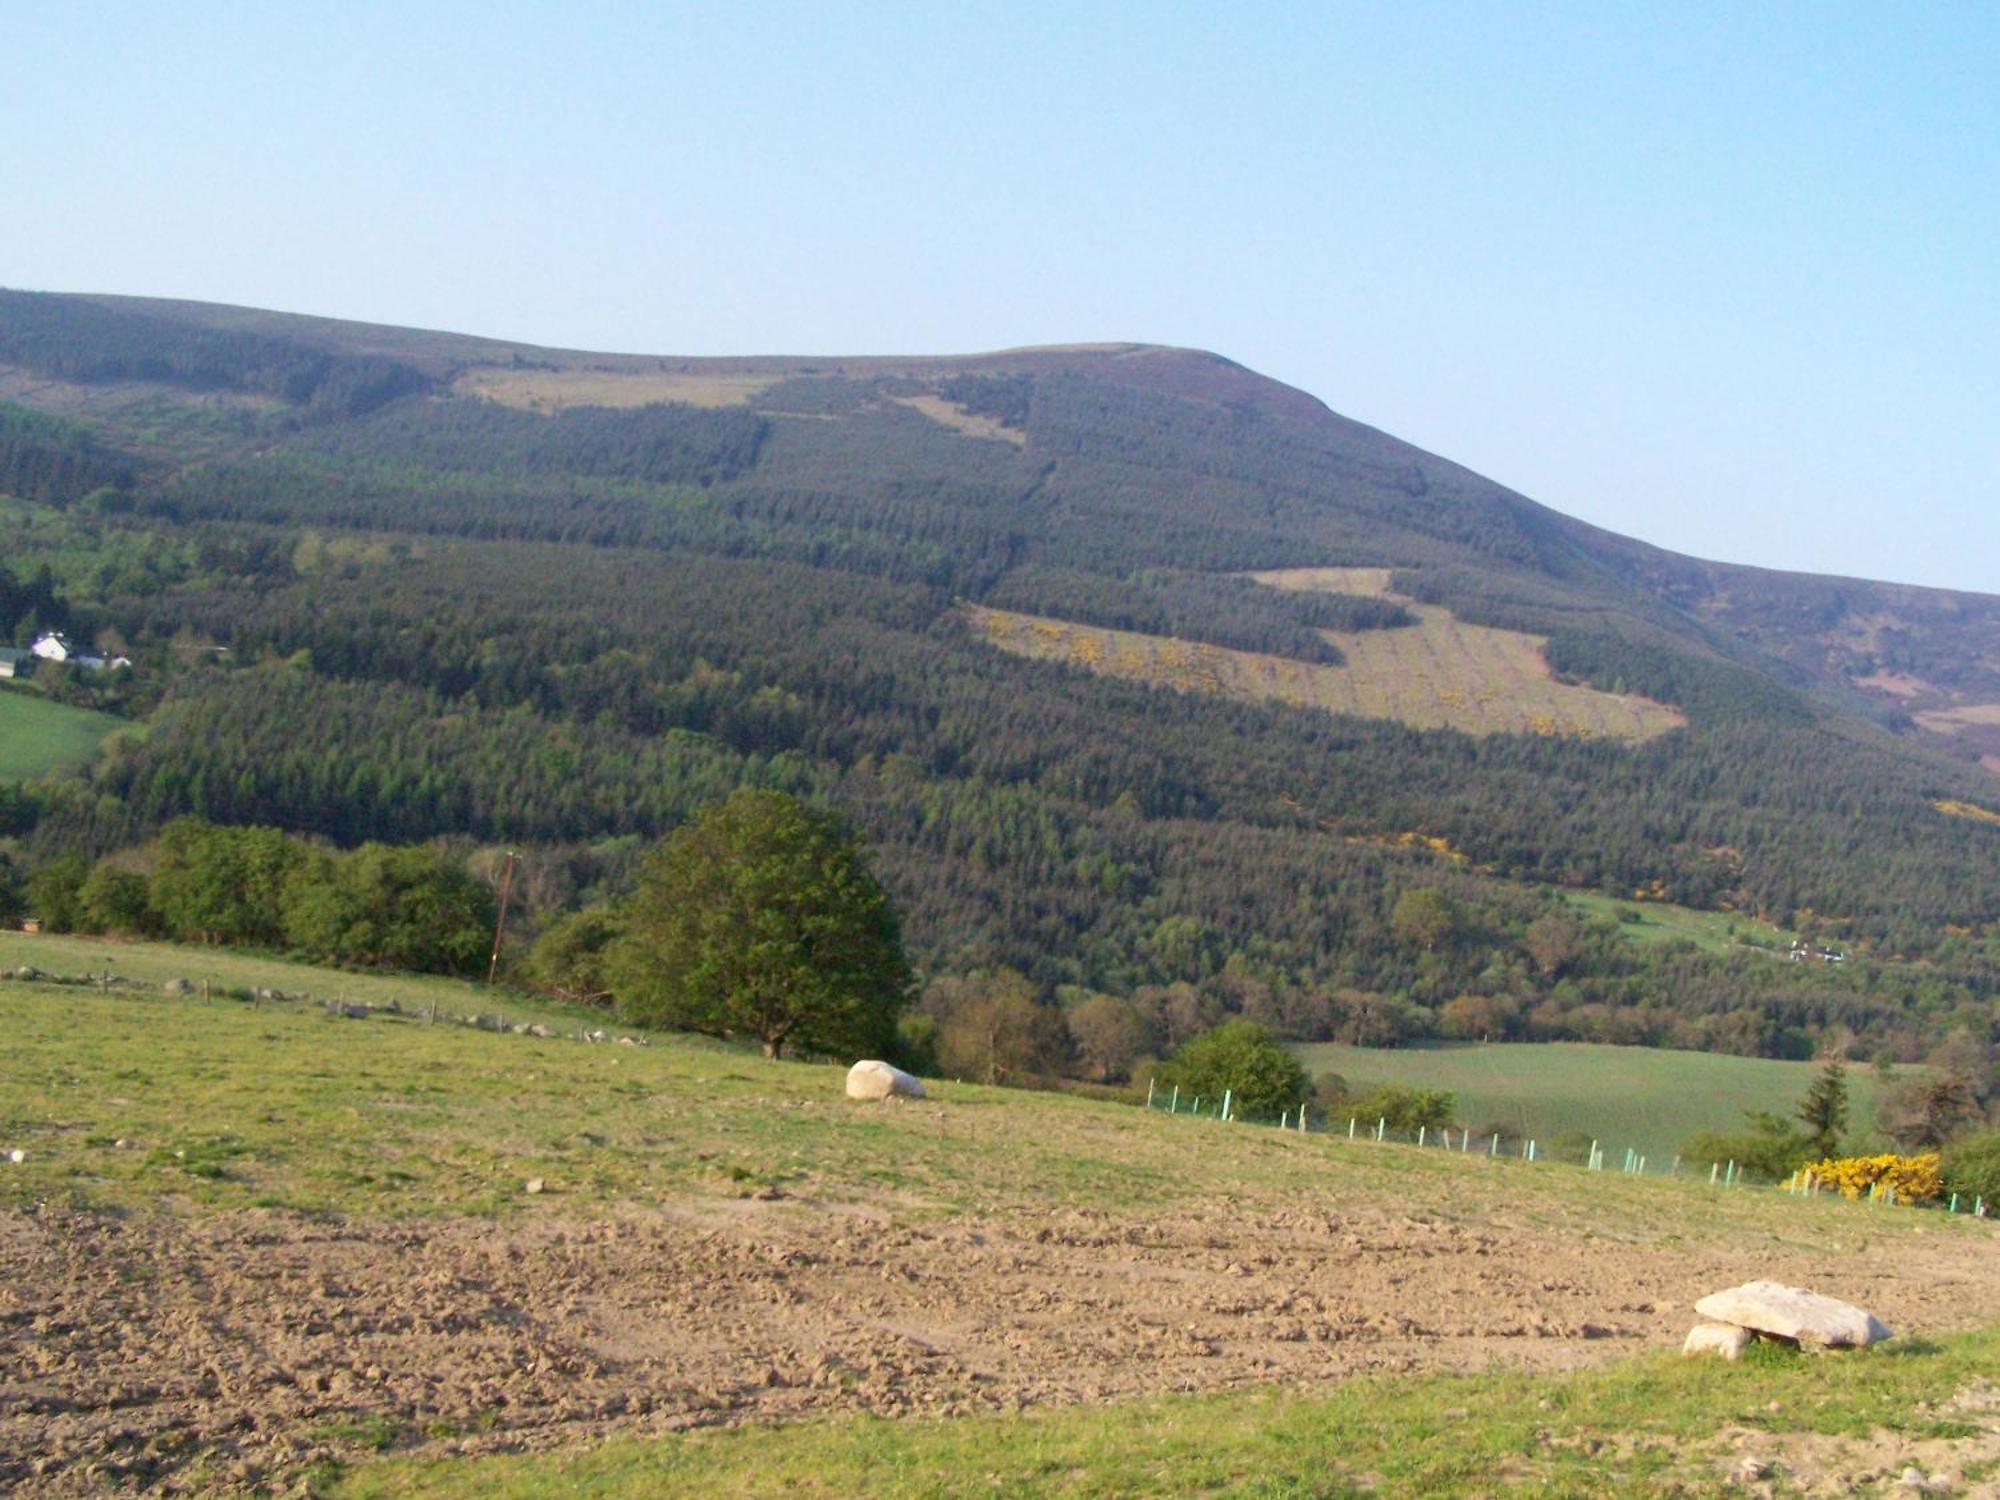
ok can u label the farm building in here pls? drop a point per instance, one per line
(55, 647)
(15, 663)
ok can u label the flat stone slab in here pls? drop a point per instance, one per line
(1790, 1312)
(878, 1080)
(1724, 1339)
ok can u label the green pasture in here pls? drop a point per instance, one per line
(1646, 1098)
(1662, 1426)
(1661, 922)
(221, 1104)
(40, 738)
(230, 969)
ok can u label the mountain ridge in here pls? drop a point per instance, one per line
(556, 602)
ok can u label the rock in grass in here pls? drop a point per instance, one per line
(535, 1184)
(877, 1080)
(1725, 1339)
(1790, 1312)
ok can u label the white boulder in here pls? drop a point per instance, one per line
(1725, 1339)
(877, 1080)
(1790, 1312)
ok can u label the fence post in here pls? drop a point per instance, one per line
(1302, 1119)
(1227, 1095)
(1175, 1107)
(1713, 1168)
(1149, 1093)
(1494, 1149)
(1350, 1127)
(1420, 1134)
(1284, 1119)
(1531, 1150)
(1381, 1128)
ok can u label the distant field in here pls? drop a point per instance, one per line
(959, 419)
(40, 738)
(1649, 1099)
(1437, 674)
(553, 390)
(1660, 921)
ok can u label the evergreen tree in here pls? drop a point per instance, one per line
(1824, 1109)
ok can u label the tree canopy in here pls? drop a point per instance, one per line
(760, 919)
(1244, 1058)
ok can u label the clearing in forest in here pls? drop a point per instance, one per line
(555, 390)
(1437, 674)
(42, 738)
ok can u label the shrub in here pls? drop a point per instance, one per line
(1916, 1179)
(1244, 1059)
(1405, 1109)
(1971, 1168)
(1769, 1149)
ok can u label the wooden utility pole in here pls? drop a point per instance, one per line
(500, 922)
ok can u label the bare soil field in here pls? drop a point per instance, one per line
(191, 1354)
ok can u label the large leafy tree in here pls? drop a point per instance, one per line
(760, 919)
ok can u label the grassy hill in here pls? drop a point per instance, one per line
(40, 738)
(1648, 1099)
(432, 1259)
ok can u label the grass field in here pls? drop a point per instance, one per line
(342, 1218)
(1660, 921)
(228, 969)
(1648, 1099)
(1665, 1426)
(397, 1116)
(1437, 674)
(40, 738)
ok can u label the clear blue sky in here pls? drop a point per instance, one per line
(1720, 276)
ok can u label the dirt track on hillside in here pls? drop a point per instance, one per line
(207, 1353)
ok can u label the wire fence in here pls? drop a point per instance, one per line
(1724, 1175)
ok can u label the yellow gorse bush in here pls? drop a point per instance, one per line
(1916, 1179)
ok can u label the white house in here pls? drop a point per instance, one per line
(55, 647)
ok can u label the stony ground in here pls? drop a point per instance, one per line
(195, 1353)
